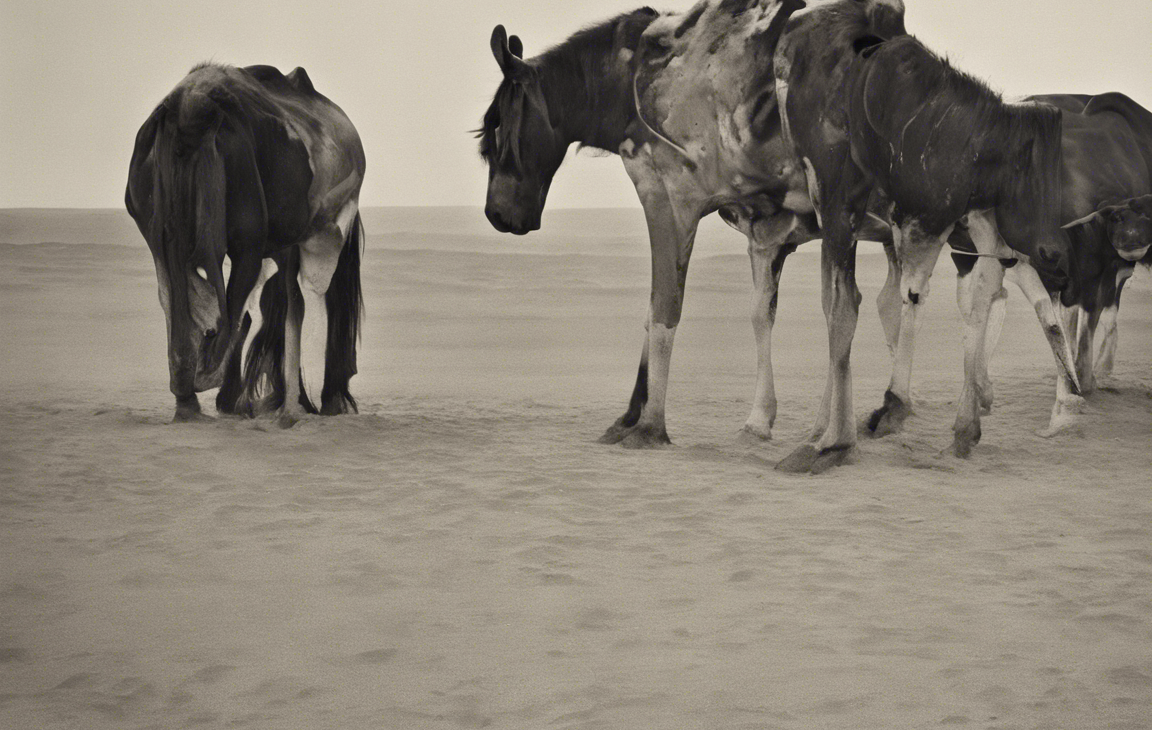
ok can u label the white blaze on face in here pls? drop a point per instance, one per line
(1133, 255)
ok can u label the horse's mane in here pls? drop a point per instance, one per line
(985, 108)
(573, 69)
(1018, 143)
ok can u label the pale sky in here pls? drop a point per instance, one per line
(77, 79)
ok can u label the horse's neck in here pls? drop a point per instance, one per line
(595, 110)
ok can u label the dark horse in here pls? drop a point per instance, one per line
(689, 103)
(257, 167)
(1106, 144)
(866, 113)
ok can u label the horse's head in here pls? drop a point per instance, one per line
(187, 235)
(520, 142)
(1030, 170)
(1127, 226)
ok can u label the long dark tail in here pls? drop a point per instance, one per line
(345, 304)
(260, 388)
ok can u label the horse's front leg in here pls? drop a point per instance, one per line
(841, 302)
(671, 251)
(618, 430)
(1106, 319)
(889, 302)
(672, 220)
(1052, 320)
(979, 287)
(917, 251)
(767, 251)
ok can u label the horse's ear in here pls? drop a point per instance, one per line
(1142, 205)
(507, 52)
(1090, 218)
(499, 44)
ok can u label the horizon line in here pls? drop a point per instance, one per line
(363, 207)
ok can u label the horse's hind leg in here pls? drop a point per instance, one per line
(320, 256)
(291, 411)
(918, 251)
(889, 301)
(991, 340)
(767, 251)
(978, 288)
(344, 305)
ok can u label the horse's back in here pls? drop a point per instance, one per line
(1107, 155)
(1137, 117)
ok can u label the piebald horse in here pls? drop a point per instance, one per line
(257, 167)
(867, 113)
(689, 103)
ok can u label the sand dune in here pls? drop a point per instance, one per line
(463, 555)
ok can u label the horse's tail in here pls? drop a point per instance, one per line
(345, 302)
(263, 377)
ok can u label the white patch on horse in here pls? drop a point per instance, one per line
(1133, 254)
(813, 189)
(346, 216)
(319, 256)
(268, 268)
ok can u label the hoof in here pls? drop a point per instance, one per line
(186, 416)
(831, 458)
(964, 440)
(807, 459)
(889, 418)
(1064, 414)
(287, 420)
(645, 437)
(961, 448)
(1063, 427)
(756, 432)
(617, 431)
(1107, 384)
(337, 406)
(799, 461)
(887, 421)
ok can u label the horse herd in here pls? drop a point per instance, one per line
(796, 120)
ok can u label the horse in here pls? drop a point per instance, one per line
(1106, 145)
(865, 112)
(689, 103)
(1106, 180)
(1109, 244)
(257, 168)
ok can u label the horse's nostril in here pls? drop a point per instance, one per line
(209, 334)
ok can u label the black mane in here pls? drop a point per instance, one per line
(1018, 145)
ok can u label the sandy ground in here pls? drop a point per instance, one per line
(463, 555)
